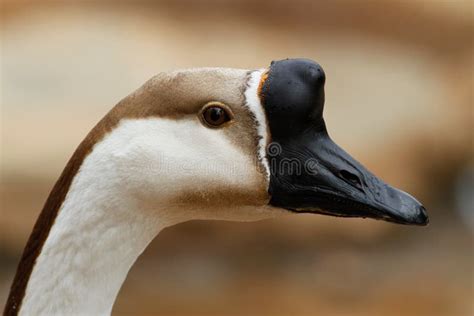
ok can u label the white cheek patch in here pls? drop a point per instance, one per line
(166, 158)
(252, 101)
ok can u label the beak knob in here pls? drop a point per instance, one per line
(293, 93)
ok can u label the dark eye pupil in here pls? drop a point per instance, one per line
(216, 114)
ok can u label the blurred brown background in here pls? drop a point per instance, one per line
(399, 98)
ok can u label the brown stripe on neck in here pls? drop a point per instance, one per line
(129, 106)
(56, 198)
(49, 213)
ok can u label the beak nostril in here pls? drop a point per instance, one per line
(350, 177)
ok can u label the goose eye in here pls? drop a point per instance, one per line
(215, 114)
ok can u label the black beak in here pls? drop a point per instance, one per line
(309, 172)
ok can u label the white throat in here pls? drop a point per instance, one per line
(87, 256)
(111, 214)
(97, 236)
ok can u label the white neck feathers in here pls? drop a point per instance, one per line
(97, 236)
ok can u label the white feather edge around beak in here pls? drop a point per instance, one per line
(252, 101)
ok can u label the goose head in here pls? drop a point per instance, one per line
(244, 145)
(208, 143)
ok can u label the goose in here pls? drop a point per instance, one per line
(205, 143)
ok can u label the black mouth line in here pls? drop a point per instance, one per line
(359, 214)
(358, 209)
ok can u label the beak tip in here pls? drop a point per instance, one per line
(422, 218)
